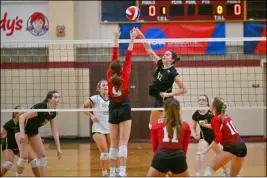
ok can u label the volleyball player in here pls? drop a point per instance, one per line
(100, 127)
(27, 131)
(165, 76)
(170, 138)
(234, 148)
(203, 118)
(118, 77)
(10, 148)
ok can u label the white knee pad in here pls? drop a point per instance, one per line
(200, 157)
(42, 162)
(7, 165)
(123, 152)
(34, 163)
(104, 156)
(113, 153)
(22, 162)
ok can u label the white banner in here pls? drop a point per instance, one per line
(24, 21)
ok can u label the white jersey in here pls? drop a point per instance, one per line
(102, 125)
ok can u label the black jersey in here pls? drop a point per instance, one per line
(164, 79)
(32, 125)
(206, 133)
(10, 143)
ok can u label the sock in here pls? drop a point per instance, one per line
(123, 169)
(18, 175)
(208, 172)
(197, 174)
(117, 170)
(104, 172)
(112, 171)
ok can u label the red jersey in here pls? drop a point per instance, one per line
(160, 139)
(122, 94)
(227, 135)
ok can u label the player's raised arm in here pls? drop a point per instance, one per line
(148, 49)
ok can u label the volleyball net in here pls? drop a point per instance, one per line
(232, 68)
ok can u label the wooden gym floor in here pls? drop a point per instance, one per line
(81, 159)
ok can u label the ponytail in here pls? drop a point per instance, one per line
(116, 82)
(220, 106)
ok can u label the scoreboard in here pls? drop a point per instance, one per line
(191, 10)
(184, 10)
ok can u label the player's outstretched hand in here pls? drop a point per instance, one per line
(134, 33)
(59, 154)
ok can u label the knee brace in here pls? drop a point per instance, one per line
(7, 165)
(113, 153)
(200, 157)
(22, 162)
(34, 163)
(104, 156)
(42, 162)
(123, 151)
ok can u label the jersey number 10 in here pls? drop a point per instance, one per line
(166, 137)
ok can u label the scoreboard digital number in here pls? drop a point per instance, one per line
(191, 10)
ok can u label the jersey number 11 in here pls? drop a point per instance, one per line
(166, 137)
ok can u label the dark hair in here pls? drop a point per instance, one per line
(98, 84)
(175, 57)
(49, 96)
(14, 113)
(116, 68)
(173, 116)
(220, 106)
(207, 98)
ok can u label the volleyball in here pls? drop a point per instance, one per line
(132, 13)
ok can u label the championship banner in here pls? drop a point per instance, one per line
(255, 29)
(168, 31)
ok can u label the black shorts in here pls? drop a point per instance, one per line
(208, 140)
(119, 112)
(99, 133)
(166, 160)
(14, 149)
(159, 103)
(29, 132)
(239, 150)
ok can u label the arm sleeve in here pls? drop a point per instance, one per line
(194, 116)
(154, 139)
(114, 58)
(186, 139)
(127, 65)
(6, 126)
(216, 126)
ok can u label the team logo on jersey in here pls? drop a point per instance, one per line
(117, 93)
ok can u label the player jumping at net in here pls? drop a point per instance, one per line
(100, 127)
(170, 138)
(165, 76)
(118, 77)
(234, 148)
(27, 131)
(203, 118)
(10, 148)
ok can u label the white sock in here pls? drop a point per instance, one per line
(197, 174)
(19, 175)
(208, 172)
(112, 171)
(117, 170)
(123, 169)
(104, 172)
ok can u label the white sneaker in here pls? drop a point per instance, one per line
(117, 172)
(105, 174)
(121, 174)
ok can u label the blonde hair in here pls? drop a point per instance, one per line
(220, 105)
(173, 116)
